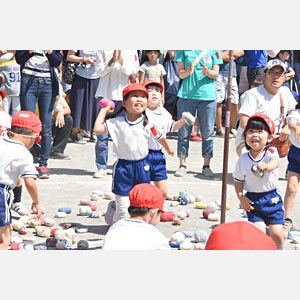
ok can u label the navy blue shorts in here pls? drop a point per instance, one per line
(157, 163)
(294, 159)
(267, 208)
(5, 213)
(128, 173)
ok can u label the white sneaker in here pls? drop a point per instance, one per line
(207, 172)
(180, 172)
(19, 208)
(100, 173)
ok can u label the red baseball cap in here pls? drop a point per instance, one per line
(239, 235)
(3, 94)
(146, 195)
(29, 120)
(145, 83)
(134, 87)
(267, 120)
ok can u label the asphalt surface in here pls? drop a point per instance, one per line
(71, 181)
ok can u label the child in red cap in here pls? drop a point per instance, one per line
(16, 160)
(130, 133)
(158, 115)
(139, 232)
(257, 173)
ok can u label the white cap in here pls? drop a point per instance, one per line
(273, 63)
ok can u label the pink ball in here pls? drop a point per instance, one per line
(49, 222)
(206, 212)
(132, 78)
(15, 246)
(105, 101)
(85, 202)
(41, 218)
(42, 209)
(93, 206)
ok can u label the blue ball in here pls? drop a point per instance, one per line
(67, 210)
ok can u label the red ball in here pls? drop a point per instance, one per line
(53, 231)
(167, 216)
(15, 246)
(105, 101)
(132, 78)
(206, 212)
(93, 206)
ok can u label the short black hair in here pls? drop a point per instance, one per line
(153, 85)
(258, 124)
(21, 130)
(137, 211)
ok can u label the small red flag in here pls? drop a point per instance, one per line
(153, 131)
(218, 55)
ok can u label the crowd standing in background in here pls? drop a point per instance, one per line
(194, 81)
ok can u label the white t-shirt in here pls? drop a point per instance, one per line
(152, 72)
(5, 123)
(294, 115)
(259, 101)
(15, 160)
(252, 183)
(163, 120)
(130, 139)
(128, 234)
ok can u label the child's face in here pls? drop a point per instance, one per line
(152, 55)
(155, 96)
(27, 139)
(257, 139)
(136, 103)
(284, 56)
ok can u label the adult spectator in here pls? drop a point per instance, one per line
(197, 94)
(39, 84)
(114, 67)
(221, 92)
(297, 66)
(257, 63)
(265, 99)
(83, 104)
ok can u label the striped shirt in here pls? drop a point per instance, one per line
(38, 65)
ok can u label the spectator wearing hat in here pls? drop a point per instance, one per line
(265, 99)
(16, 160)
(130, 132)
(239, 235)
(256, 172)
(139, 232)
(284, 56)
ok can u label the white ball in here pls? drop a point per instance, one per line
(213, 217)
(109, 196)
(174, 203)
(98, 192)
(70, 232)
(85, 210)
(60, 234)
(199, 246)
(213, 206)
(198, 198)
(181, 214)
(95, 197)
(178, 236)
(16, 239)
(191, 199)
(28, 247)
(186, 245)
(60, 214)
(43, 231)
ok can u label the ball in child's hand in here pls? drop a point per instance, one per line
(132, 78)
(105, 101)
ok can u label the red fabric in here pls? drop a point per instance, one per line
(134, 87)
(266, 119)
(146, 195)
(145, 83)
(239, 235)
(27, 119)
(3, 94)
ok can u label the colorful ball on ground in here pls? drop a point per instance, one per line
(206, 212)
(201, 236)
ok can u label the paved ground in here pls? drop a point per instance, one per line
(72, 181)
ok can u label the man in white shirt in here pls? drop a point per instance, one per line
(265, 99)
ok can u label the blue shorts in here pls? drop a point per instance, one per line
(157, 163)
(294, 159)
(128, 173)
(267, 207)
(5, 212)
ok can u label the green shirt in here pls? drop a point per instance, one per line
(198, 86)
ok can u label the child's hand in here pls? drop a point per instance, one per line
(263, 166)
(108, 108)
(38, 209)
(246, 203)
(171, 152)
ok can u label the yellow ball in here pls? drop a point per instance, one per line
(228, 206)
(201, 205)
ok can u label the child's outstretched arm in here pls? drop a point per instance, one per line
(245, 201)
(163, 141)
(33, 192)
(187, 118)
(99, 127)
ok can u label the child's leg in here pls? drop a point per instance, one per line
(17, 191)
(122, 204)
(276, 233)
(290, 193)
(162, 185)
(5, 237)
(261, 226)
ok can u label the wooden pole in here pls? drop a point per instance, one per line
(226, 139)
